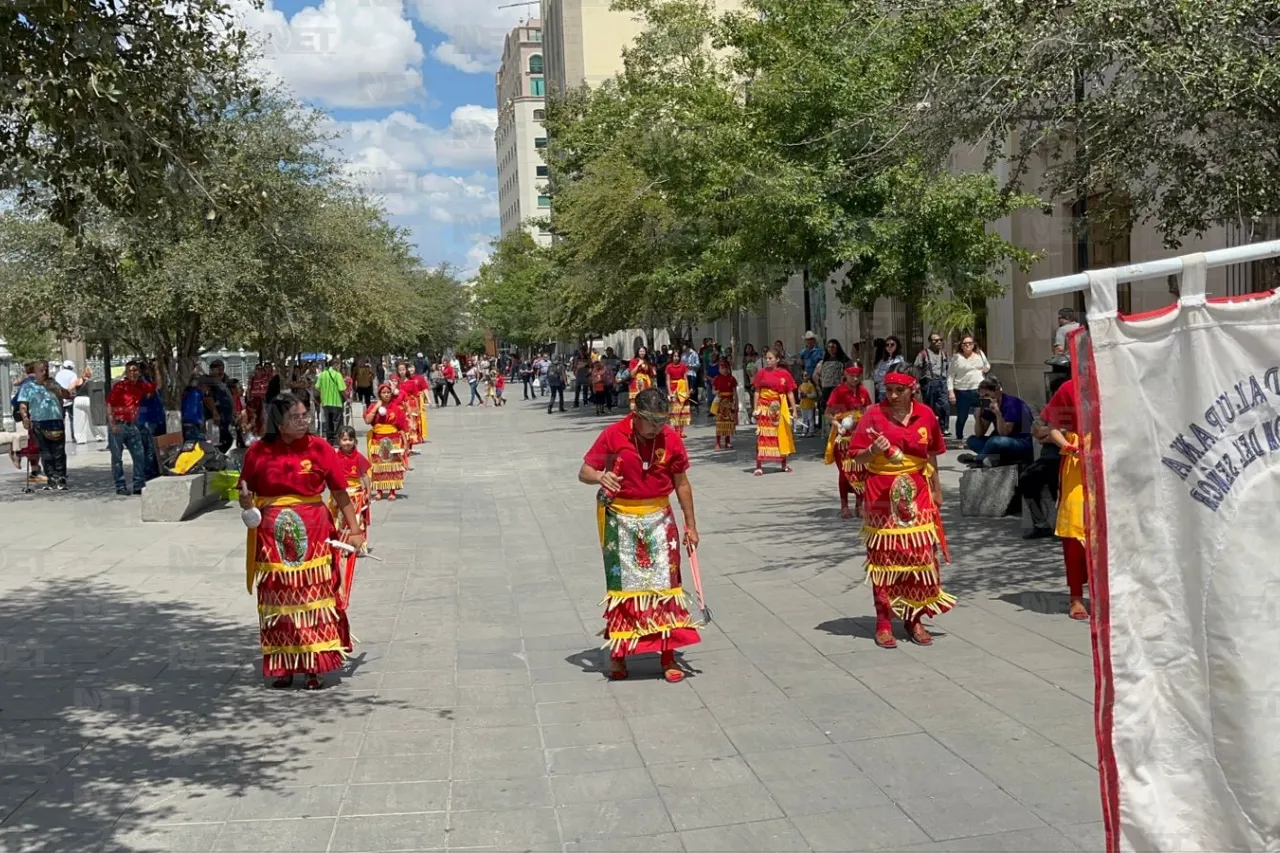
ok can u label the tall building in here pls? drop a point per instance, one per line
(520, 137)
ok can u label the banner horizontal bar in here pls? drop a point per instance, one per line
(1156, 269)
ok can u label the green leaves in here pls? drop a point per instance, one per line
(512, 295)
(735, 149)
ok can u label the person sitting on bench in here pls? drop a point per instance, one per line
(1002, 433)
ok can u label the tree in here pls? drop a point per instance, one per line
(736, 149)
(111, 103)
(1167, 111)
(512, 293)
(25, 341)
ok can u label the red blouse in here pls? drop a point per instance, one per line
(634, 367)
(354, 464)
(676, 371)
(845, 399)
(306, 467)
(1063, 411)
(775, 379)
(619, 450)
(725, 383)
(395, 416)
(919, 437)
(416, 384)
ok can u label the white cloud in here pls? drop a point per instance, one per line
(467, 143)
(480, 250)
(343, 53)
(474, 30)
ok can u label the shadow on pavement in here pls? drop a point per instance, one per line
(118, 714)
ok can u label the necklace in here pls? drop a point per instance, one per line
(644, 463)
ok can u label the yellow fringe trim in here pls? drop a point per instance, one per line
(301, 576)
(301, 661)
(310, 648)
(291, 609)
(646, 597)
(885, 575)
(919, 536)
(631, 639)
(908, 610)
(309, 619)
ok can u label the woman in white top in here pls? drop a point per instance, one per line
(968, 367)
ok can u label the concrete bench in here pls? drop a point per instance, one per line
(177, 498)
(988, 492)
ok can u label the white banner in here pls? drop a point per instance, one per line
(1182, 459)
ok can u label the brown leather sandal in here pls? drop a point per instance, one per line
(885, 640)
(618, 670)
(919, 634)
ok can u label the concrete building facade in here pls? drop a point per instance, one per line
(520, 139)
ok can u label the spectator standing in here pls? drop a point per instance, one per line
(193, 411)
(660, 362)
(363, 380)
(889, 359)
(555, 381)
(828, 374)
(437, 384)
(751, 364)
(1066, 325)
(968, 368)
(123, 404)
(810, 355)
(218, 402)
(526, 378)
(332, 386)
(932, 371)
(693, 367)
(66, 378)
(40, 407)
(611, 367)
(151, 419)
(581, 377)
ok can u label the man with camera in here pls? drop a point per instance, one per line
(1002, 435)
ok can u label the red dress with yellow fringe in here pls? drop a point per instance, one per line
(387, 447)
(900, 518)
(289, 558)
(354, 468)
(846, 402)
(646, 608)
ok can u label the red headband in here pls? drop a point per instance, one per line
(906, 380)
(853, 371)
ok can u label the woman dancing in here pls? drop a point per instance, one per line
(386, 443)
(637, 463)
(845, 407)
(898, 443)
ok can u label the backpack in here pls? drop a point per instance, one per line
(196, 457)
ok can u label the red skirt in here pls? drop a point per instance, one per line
(901, 535)
(301, 628)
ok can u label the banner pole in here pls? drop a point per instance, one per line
(1155, 269)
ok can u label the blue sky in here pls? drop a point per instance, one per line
(409, 84)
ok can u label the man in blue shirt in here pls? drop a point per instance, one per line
(40, 407)
(1008, 420)
(812, 353)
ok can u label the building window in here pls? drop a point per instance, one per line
(544, 201)
(539, 115)
(1103, 240)
(537, 87)
(540, 142)
(535, 64)
(535, 35)
(542, 171)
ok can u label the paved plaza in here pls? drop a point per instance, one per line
(474, 714)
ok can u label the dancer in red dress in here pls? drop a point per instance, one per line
(288, 555)
(637, 463)
(725, 386)
(848, 402)
(386, 442)
(642, 375)
(678, 392)
(898, 442)
(775, 401)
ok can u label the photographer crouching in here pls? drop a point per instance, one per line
(1002, 433)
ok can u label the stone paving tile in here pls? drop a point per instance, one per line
(475, 713)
